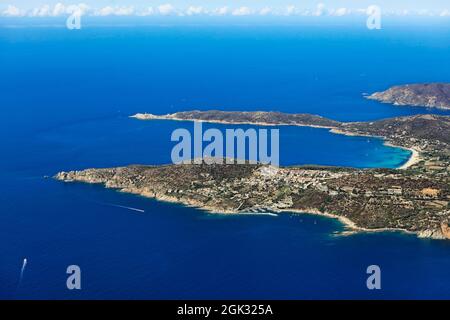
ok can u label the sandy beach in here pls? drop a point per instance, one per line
(413, 159)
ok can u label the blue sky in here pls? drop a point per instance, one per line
(221, 7)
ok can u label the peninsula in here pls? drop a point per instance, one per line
(431, 95)
(414, 200)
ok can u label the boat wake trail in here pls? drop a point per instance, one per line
(125, 207)
(114, 205)
(24, 265)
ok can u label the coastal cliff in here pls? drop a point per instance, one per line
(414, 200)
(431, 95)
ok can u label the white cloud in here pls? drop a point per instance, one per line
(265, 11)
(115, 11)
(306, 13)
(61, 9)
(320, 10)
(81, 8)
(12, 11)
(412, 13)
(149, 11)
(340, 12)
(220, 11)
(425, 13)
(166, 9)
(291, 10)
(105, 11)
(124, 11)
(192, 11)
(43, 11)
(58, 9)
(405, 13)
(360, 11)
(242, 11)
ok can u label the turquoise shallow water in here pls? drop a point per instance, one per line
(65, 102)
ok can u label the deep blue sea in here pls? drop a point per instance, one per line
(65, 101)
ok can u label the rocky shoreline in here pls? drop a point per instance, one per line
(364, 200)
(430, 95)
(260, 118)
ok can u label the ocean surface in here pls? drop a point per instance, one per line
(65, 101)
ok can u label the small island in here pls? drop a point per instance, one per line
(430, 95)
(415, 199)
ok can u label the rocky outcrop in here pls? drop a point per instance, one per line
(445, 229)
(244, 117)
(431, 95)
